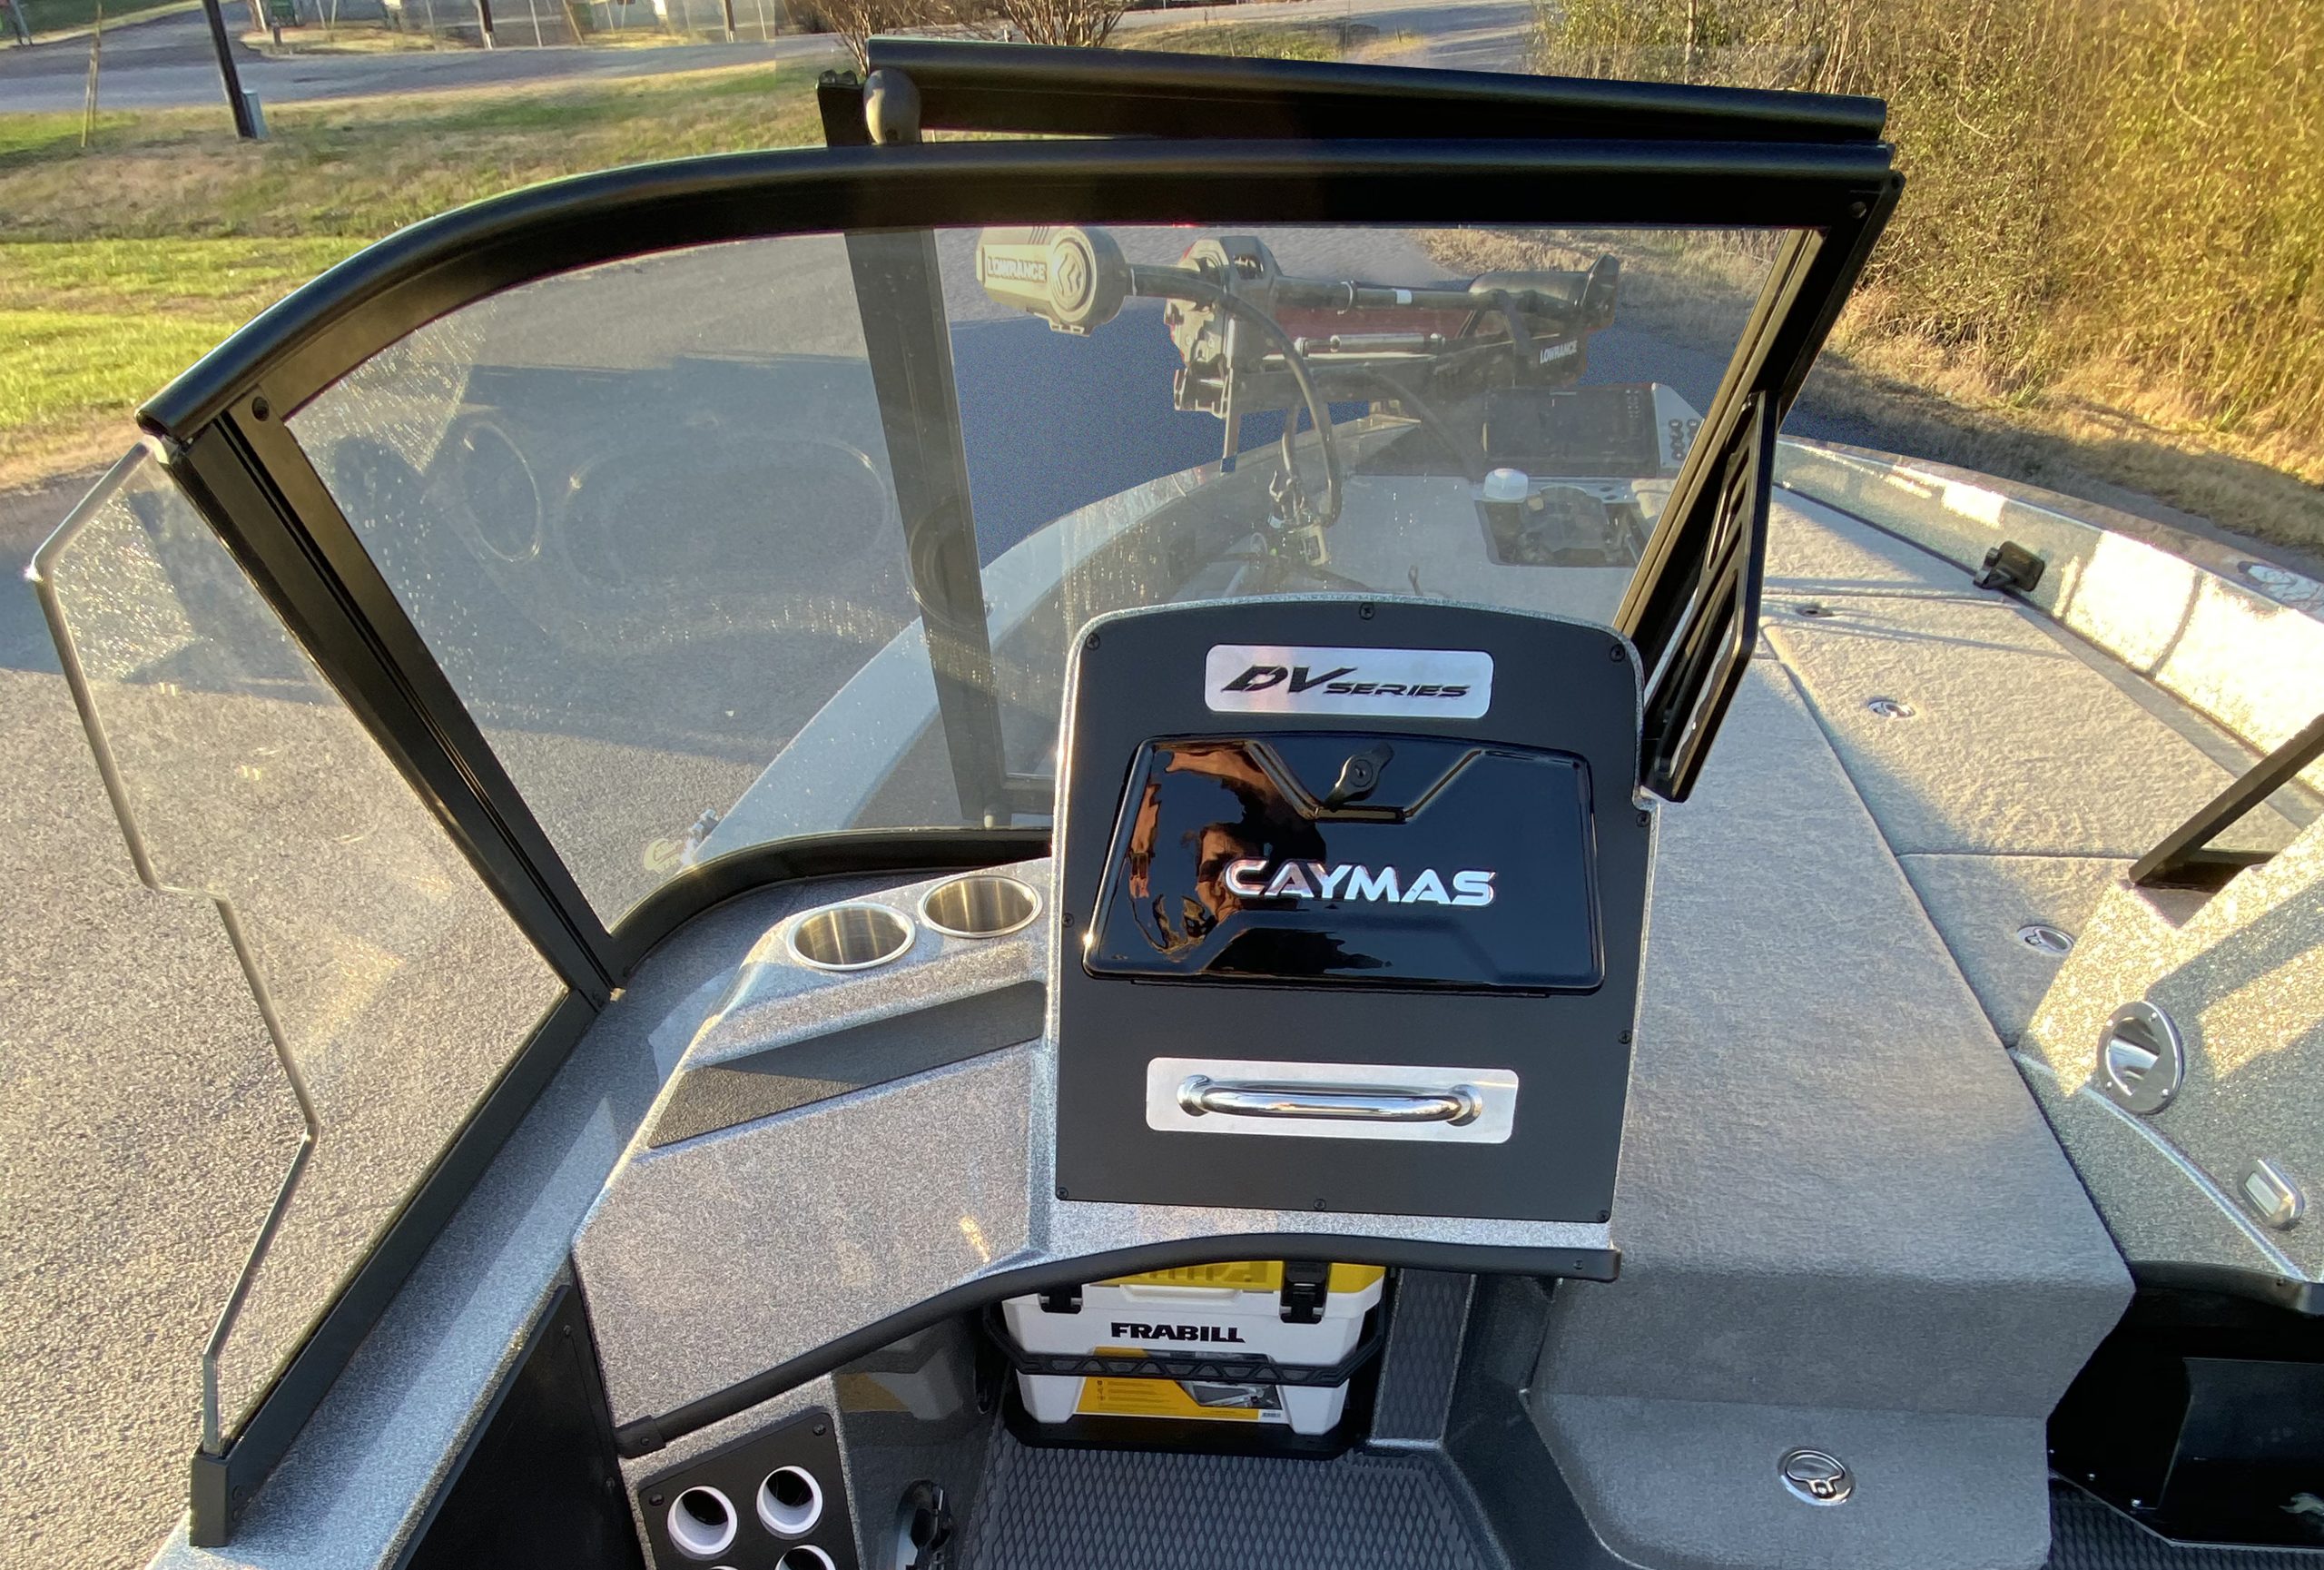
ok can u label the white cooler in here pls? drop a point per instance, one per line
(1231, 1309)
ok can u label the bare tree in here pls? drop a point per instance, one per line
(855, 23)
(1085, 22)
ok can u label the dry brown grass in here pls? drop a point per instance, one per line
(2111, 239)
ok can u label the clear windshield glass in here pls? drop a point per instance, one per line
(241, 776)
(670, 526)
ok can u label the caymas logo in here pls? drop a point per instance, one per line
(1349, 880)
(1419, 682)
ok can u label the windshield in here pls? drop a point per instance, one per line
(731, 544)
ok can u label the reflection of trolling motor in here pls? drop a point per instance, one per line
(1255, 340)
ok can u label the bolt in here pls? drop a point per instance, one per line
(1624, 1038)
(1320, 1205)
(1614, 653)
(822, 1429)
(1645, 819)
(654, 1500)
(1089, 642)
(1363, 612)
(1061, 1193)
(1890, 707)
(1603, 1216)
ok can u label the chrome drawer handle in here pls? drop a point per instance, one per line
(1458, 1104)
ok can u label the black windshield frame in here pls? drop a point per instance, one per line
(221, 427)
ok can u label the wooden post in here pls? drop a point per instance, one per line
(89, 94)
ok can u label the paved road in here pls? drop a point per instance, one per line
(168, 62)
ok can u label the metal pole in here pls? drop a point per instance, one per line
(728, 6)
(484, 20)
(227, 73)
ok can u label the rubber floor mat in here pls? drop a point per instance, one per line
(1139, 1510)
(2085, 1534)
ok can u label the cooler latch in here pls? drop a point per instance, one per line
(1306, 1283)
(1061, 1300)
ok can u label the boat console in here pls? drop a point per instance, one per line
(913, 930)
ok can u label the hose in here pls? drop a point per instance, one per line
(1202, 291)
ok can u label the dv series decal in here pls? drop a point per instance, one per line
(1413, 682)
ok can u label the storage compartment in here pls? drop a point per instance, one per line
(1252, 1342)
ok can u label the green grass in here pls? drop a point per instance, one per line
(125, 262)
(88, 328)
(1254, 40)
(59, 15)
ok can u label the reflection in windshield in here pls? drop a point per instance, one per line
(647, 515)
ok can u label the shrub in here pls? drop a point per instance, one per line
(2127, 183)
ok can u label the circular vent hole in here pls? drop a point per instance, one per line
(701, 1523)
(790, 1502)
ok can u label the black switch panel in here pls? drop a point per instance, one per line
(774, 1500)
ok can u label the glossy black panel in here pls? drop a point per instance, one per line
(1555, 750)
(1463, 865)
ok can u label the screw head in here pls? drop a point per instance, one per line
(260, 408)
(1890, 707)
(1363, 612)
(1089, 642)
(1811, 607)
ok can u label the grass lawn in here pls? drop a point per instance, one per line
(1326, 40)
(120, 265)
(61, 15)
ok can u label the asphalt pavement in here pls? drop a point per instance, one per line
(168, 62)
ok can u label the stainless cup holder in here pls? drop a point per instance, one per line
(979, 906)
(856, 936)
